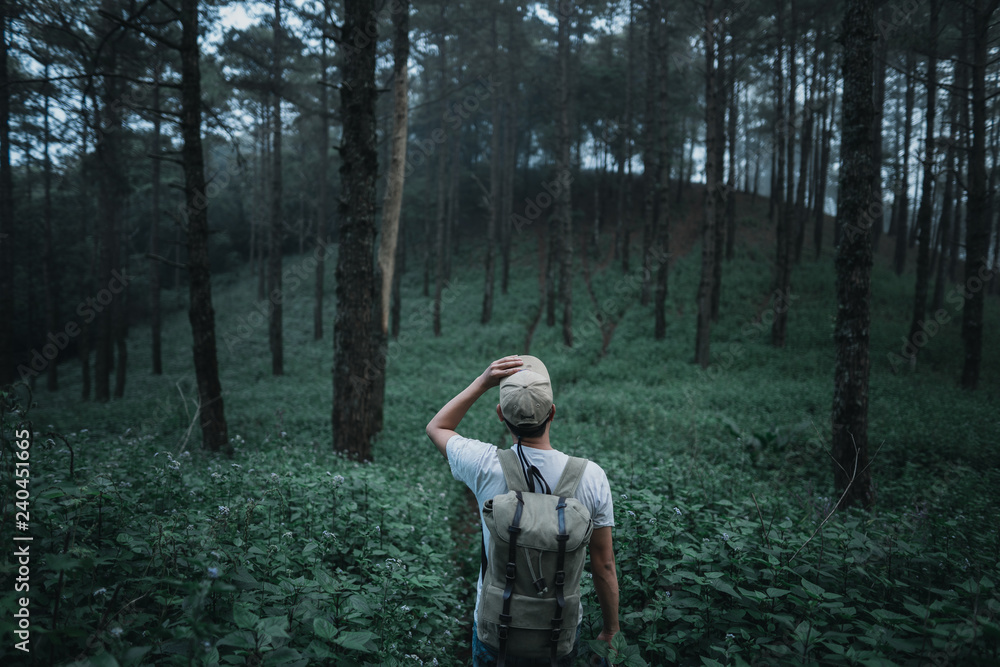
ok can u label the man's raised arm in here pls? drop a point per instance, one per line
(443, 425)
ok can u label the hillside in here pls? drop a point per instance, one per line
(288, 552)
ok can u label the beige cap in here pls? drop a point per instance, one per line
(526, 396)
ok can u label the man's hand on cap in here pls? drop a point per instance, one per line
(500, 369)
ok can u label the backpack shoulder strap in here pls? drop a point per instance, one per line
(512, 472)
(571, 477)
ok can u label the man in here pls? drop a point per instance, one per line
(527, 408)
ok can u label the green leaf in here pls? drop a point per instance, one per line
(244, 618)
(324, 629)
(777, 592)
(814, 589)
(356, 641)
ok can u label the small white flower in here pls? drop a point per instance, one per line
(287, 534)
(213, 572)
(223, 510)
(101, 591)
(677, 510)
(115, 631)
(730, 636)
(631, 513)
(725, 537)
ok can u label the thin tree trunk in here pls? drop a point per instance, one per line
(977, 269)
(926, 199)
(110, 197)
(359, 363)
(393, 202)
(661, 236)
(156, 322)
(731, 179)
(274, 283)
(7, 365)
(716, 188)
(651, 166)
(805, 159)
(48, 262)
(621, 225)
(704, 326)
(852, 474)
(881, 59)
(901, 208)
(947, 210)
(322, 213)
(563, 204)
(782, 272)
(200, 313)
(496, 161)
(824, 167)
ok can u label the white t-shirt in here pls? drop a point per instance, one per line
(477, 465)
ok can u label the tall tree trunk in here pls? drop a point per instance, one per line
(156, 322)
(851, 473)
(621, 225)
(494, 198)
(274, 286)
(651, 168)
(824, 166)
(393, 203)
(359, 364)
(563, 204)
(782, 274)
(927, 195)
(441, 216)
(7, 365)
(881, 58)
(110, 198)
(731, 179)
(901, 208)
(704, 327)
(48, 262)
(716, 189)
(805, 159)
(977, 269)
(322, 213)
(661, 230)
(947, 209)
(87, 283)
(200, 313)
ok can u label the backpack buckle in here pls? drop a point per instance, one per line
(555, 636)
(511, 571)
(560, 578)
(502, 632)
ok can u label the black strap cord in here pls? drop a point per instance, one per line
(531, 473)
(560, 579)
(505, 617)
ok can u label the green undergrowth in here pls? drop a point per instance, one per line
(149, 551)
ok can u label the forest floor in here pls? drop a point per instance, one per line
(720, 478)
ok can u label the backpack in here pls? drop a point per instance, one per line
(530, 599)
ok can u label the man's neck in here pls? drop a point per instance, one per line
(541, 442)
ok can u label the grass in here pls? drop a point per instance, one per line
(155, 552)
